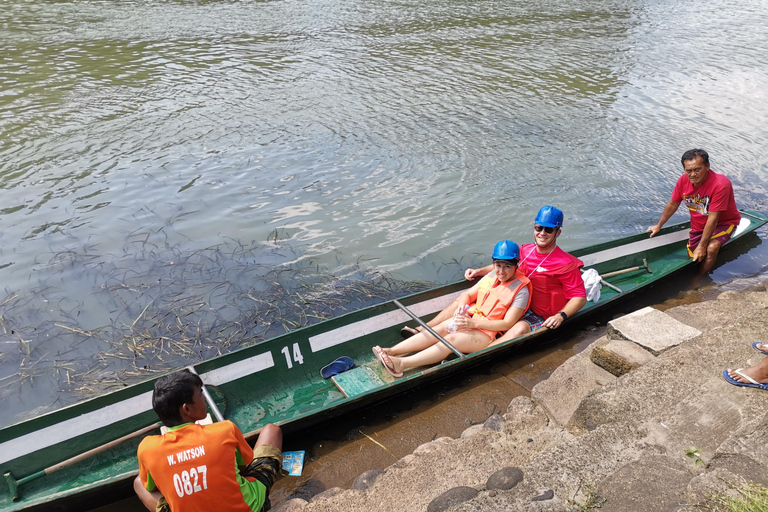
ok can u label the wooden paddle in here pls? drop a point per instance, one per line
(13, 484)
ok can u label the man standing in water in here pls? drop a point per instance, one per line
(709, 198)
(558, 289)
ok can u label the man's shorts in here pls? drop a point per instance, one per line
(266, 464)
(533, 320)
(722, 234)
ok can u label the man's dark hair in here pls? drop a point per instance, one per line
(691, 154)
(171, 392)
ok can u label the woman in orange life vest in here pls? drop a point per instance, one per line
(495, 303)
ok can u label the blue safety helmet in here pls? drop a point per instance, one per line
(550, 217)
(506, 250)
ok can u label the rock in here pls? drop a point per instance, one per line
(432, 446)
(545, 496)
(365, 480)
(619, 356)
(291, 505)
(562, 392)
(494, 422)
(505, 479)
(471, 431)
(524, 413)
(333, 491)
(308, 490)
(654, 482)
(451, 497)
(652, 329)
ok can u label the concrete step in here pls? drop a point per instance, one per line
(651, 329)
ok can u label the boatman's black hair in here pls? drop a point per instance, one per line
(691, 154)
(171, 392)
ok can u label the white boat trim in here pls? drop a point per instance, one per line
(376, 323)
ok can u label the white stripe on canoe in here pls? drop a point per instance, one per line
(120, 411)
(376, 323)
(49, 436)
(647, 244)
(634, 248)
(238, 369)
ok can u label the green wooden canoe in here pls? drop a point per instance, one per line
(279, 381)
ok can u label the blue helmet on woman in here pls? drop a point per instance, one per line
(506, 250)
(550, 217)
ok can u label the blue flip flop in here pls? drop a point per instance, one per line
(755, 344)
(751, 384)
(340, 365)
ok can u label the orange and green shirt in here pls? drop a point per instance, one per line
(196, 468)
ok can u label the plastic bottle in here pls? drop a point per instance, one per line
(452, 327)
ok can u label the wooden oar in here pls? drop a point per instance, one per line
(13, 484)
(631, 269)
(429, 329)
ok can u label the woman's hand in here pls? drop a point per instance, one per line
(464, 323)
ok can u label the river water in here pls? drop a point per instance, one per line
(153, 152)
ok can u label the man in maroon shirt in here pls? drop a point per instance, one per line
(709, 198)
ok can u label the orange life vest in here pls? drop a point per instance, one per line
(494, 298)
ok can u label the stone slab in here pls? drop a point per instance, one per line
(654, 482)
(652, 329)
(620, 356)
(562, 392)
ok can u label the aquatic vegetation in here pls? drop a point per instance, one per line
(152, 309)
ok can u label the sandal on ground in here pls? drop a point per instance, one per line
(754, 345)
(751, 384)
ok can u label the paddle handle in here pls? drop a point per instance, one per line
(429, 329)
(619, 272)
(13, 484)
(98, 449)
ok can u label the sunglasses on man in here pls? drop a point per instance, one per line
(546, 229)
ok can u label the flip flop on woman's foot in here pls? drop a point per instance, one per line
(406, 332)
(758, 345)
(740, 372)
(386, 362)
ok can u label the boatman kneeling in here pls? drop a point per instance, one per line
(203, 467)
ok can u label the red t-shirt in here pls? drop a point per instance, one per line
(555, 278)
(715, 194)
(196, 468)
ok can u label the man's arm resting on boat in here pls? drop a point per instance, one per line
(474, 273)
(571, 308)
(668, 212)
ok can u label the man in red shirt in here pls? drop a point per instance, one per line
(709, 198)
(203, 467)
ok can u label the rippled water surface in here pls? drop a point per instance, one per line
(145, 143)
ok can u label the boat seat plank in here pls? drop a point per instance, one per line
(357, 381)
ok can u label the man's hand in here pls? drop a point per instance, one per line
(470, 274)
(700, 253)
(654, 229)
(553, 322)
